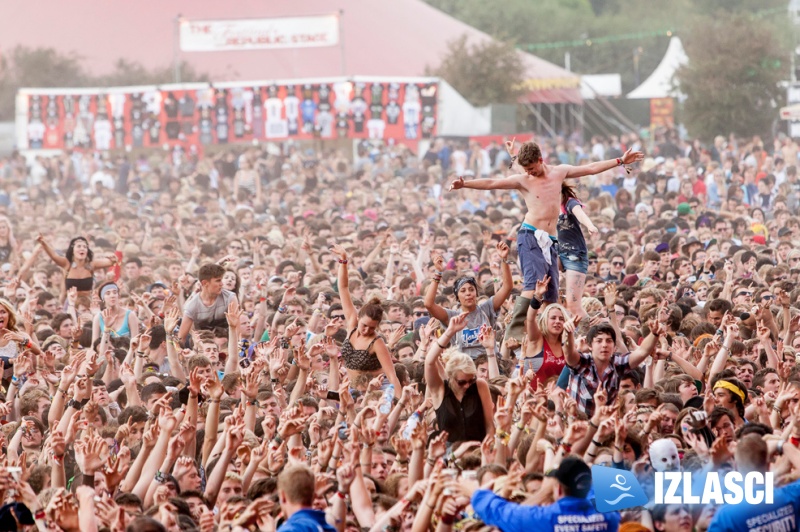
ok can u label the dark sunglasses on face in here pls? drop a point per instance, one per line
(468, 382)
(420, 314)
(337, 316)
(618, 263)
(746, 294)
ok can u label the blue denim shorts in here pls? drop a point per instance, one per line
(576, 261)
(534, 266)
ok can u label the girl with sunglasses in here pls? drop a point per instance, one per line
(461, 400)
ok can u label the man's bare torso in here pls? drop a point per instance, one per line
(543, 198)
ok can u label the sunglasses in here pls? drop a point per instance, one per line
(337, 316)
(420, 314)
(618, 263)
(748, 294)
(468, 382)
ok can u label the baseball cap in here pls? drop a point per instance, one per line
(575, 475)
(784, 231)
(54, 339)
(662, 247)
(759, 239)
(157, 284)
(684, 209)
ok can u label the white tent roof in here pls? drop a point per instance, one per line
(660, 83)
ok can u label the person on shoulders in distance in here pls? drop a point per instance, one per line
(466, 292)
(206, 309)
(540, 186)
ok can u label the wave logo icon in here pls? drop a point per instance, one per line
(616, 489)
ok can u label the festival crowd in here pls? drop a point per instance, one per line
(297, 340)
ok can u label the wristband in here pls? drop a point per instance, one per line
(342, 261)
(448, 519)
(619, 161)
(282, 310)
(39, 515)
(591, 424)
(596, 443)
(341, 495)
(535, 303)
(442, 346)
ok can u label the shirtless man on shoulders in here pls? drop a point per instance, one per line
(540, 185)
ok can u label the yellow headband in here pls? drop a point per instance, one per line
(701, 338)
(730, 387)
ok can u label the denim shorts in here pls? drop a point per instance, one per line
(534, 266)
(576, 261)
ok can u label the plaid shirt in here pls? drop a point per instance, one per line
(584, 380)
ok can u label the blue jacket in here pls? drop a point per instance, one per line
(306, 521)
(782, 514)
(567, 512)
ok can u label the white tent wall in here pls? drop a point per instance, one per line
(661, 84)
(457, 117)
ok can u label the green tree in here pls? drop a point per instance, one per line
(489, 72)
(128, 73)
(46, 67)
(40, 67)
(736, 62)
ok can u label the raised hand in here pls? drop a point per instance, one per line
(630, 156)
(503, 250)
(510, 145)
(541, 286)
(457, 323)
(457, 183)
(234, 314)
(337, 249)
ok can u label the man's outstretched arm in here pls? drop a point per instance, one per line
(629, 157)
(505, 183)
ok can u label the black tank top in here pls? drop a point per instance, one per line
(463, 420)
(359, 359)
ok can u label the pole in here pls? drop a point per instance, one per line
(176, 47)
(341, 43)
(568, 61)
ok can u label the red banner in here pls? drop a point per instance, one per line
(141, 117)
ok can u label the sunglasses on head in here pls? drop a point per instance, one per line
(468, 382)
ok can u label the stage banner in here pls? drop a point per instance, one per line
(258, 34)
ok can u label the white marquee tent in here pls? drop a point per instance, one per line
(661, 84)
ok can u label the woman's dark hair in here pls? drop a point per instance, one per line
(567, 192)
(373, 310)
(71, 250)
(238, 281)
